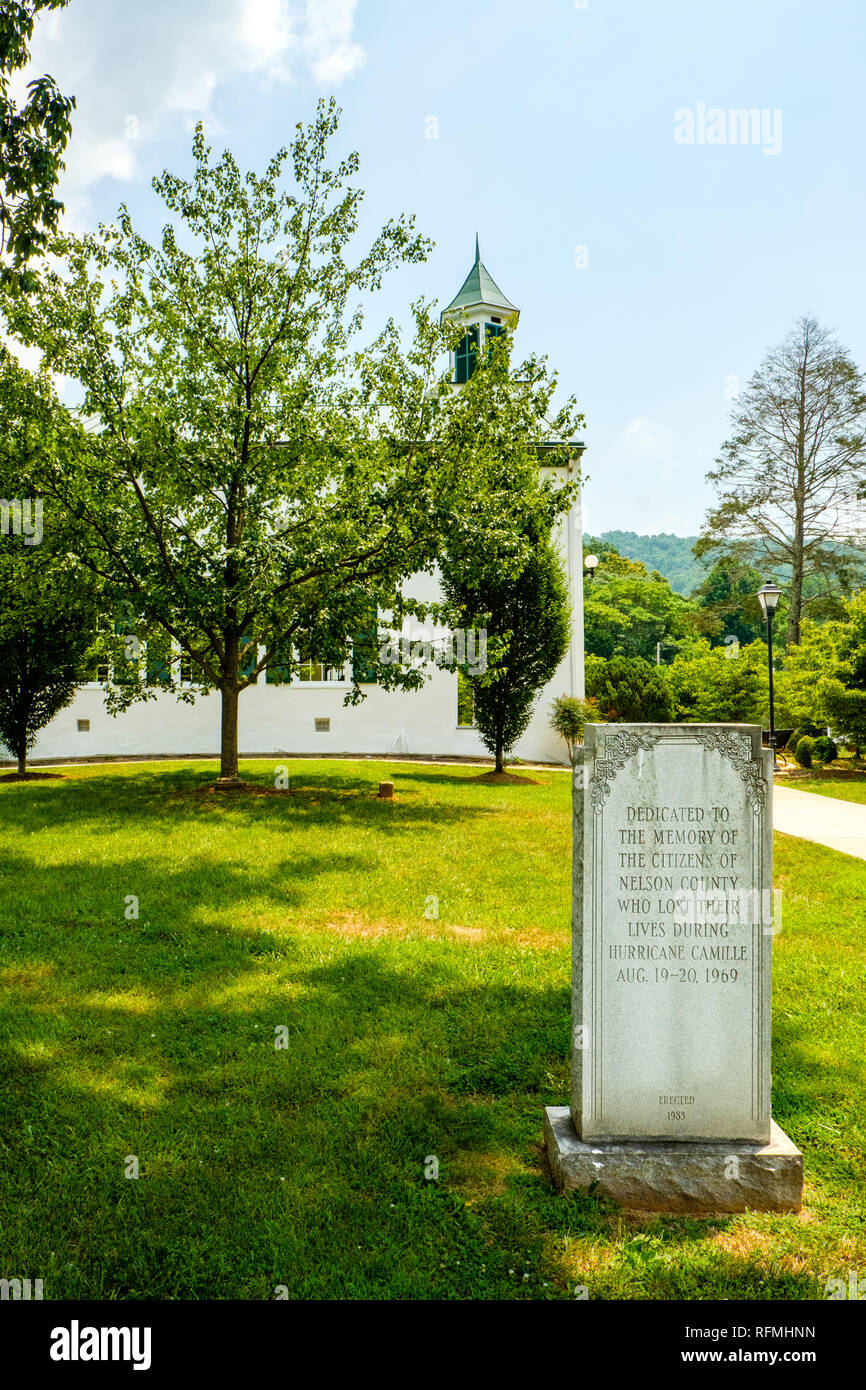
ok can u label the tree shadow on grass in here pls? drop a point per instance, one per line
(78, 906)
(166, 800)
(304, 1164)
(807, 1094)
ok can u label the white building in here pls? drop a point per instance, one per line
(308, 715)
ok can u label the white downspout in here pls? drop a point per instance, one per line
(575, 567)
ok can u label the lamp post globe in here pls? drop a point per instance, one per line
(768, 598)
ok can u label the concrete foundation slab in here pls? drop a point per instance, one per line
(701, 1178)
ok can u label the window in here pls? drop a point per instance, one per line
(491, 331)
(316, 671)
(185, 671)
(465, 710)
(466, 355)
(297, 665)
(158, 661)
(309, 669)
(84, 726)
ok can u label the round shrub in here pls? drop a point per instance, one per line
(807, 727)
(803, 750)
(824, 749)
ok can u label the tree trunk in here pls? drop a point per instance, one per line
(229, 725)
(795, 600)
(500, 765)
(22, 763)
(795, 607)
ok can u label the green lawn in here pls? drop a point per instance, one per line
(846, 786)
(407, 1037)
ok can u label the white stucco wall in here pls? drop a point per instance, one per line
(281, 718)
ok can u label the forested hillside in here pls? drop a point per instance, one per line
(670, 555)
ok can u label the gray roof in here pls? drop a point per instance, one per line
(479, 287)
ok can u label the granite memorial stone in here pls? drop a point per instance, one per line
(672, 942)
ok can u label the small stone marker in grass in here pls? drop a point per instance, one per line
(672, 945)
(386, 790)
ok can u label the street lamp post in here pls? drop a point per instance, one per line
(590, 564)
(768, 598)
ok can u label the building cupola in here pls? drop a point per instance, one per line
(482, 308)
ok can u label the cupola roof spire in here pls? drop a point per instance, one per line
(479, 290)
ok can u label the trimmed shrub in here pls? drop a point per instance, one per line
(568, 716)
(628, 690)
(824, 749)
(807, 727)
(803, 750)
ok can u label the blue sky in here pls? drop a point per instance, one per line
(554, 129)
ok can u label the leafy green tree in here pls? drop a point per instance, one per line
(628, 609)
(795, 463)
(47, 604)
(713, 685)
(628, 690)
(529, 618)
(798, 684)
(254, 483)
(32, 140)
(727, 603)
(42, 665)
(842, 691)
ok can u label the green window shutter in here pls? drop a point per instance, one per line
(466, 355)
(278, 671)
(249, 656)
(158, 662)
(365, 649)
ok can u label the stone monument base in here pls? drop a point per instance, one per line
(701, 1177)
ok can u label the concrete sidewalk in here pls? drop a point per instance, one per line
(825, 819)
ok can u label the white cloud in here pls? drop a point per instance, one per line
(146, 72)
(330, 51)
(647, 437)
(266, 30)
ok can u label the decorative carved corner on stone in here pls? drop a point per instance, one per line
(738, 750)
(618, 748)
